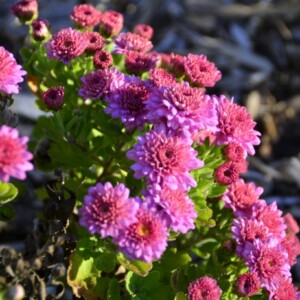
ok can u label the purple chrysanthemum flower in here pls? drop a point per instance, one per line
(174, 206)
(128, 102)
(14, 157)
(107, 209)
(269, 261)
(182, 107)
(98, 84)
(246, 231)
(235, 125)
(204, 288)
(66, 45)
(146, 239)
(54, 97)
(128, 41)
(165, 160)
(10, 73)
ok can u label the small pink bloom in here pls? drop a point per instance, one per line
(111, 23)
(107, 209)
(14, 157)
(291, 223)
(85, 15)
(234, 152)
(146, 239)
(96, 42)
(247, 284)
(227, 173)
(201, 72)
(235, 125)
(25, 10)
(54, 97)
(291, 244)
(144, 31)
(10, 73)
(160, 77)
(66, 45)
(285, 291)
(165, 160)
(176, 64)
(102, 59)
(204, 288)
(40, 30)
(138, 63)
(129, 41)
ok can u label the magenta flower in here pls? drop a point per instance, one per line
(234, 152)
(201, 72)
(54, 97)
(174, 206)
(14, 157)
(25, 10)
(102, 59)
(285, 291)
(107, 209)
(291, 244)
(96, 41)
(269, 261)
(247, 284)
(98, 84)
(241, 196)
(66, 45)
(182, 108)
(138, 63)
(111, 23)
(85, 15)
(165, 160)
(291, 223)
(10, 73)
(146, 239)
(40, 29)
(204, 288)
(128, 103)
(144, 31)
(160, 77)
(227, 173)
(235, 125)
(129, 41)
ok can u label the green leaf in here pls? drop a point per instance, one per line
(105, 262)
(172, 259)
(113, 292)
(82, 276)
(7, 212)
(136, 266)
(216, 191)
(180, 296)
(8, 192)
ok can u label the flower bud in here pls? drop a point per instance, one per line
(54, 97)
(25, 10)
(111, 23)
(40, 30)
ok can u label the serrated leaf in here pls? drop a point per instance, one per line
(7, 212)
(216, 191)
(8, 192)
(136, 266)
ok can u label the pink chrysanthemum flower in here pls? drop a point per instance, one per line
(176, 64)
(204, 288)
(107, 209)
(227, 173)
(241, 195)
(234, 152)
(66, 45)
(159, 78)
(98, 84)
(102, 59)
(111, 23)
(146, 239)
(271, 217)
(291, 244)
(285, 291)
(144, 31)
(165, 160)
(96, 41)
(246, 231)
(40, 30)
(291, 223)
(269, 261)
(10, 73)
(247, 284)
(174, 206)
(128, 103)
(138, 63)
(200, 71)
(85, 15)
(235, 125)
(14, 157)
(128, 41)
(182, 108)
(54, 97)
(25, 10)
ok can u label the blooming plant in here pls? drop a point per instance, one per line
(147, 195)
